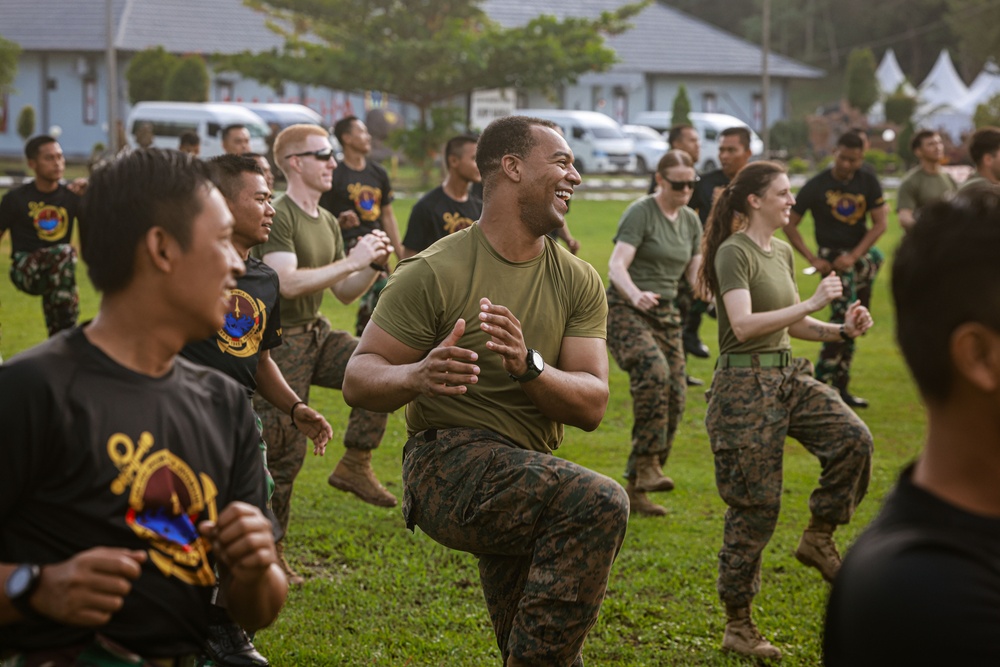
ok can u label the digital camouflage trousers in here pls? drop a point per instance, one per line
(834, 365)
(648, 347)
(750, 413)
(51, 274)
(546, 532)
(317, 357)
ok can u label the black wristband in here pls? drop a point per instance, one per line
(378, 267)
(291, 413)
(844, 335)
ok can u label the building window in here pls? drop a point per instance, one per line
(90, 101)
(224, 90)
(758, 111)
(709, 103)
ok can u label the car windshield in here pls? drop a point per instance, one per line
(606, 132)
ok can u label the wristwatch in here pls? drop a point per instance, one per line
(535, 367)
(844, 335)
(19, 586)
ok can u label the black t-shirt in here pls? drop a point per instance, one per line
(839, 208)
(365, 191)
(436, 215)
(253, 324)
(38, 219)
(921, 586)
(704, 193)
(95, 454)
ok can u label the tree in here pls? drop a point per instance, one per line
(26, 122)
(188, 81)
(899, 107)
(976, 27)
(147, 74)
(988, 113)
(9, 51)
(860, 82)
(427, 52)
(682, 107)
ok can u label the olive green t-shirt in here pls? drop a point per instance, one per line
(554, 296)
(315, 242)
(918, 189)
(769, 275)
(975, 180)
(663, 247)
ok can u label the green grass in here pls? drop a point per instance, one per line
(378, 595)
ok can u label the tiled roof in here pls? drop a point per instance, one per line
(663, 40)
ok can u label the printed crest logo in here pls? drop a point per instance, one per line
(455, 222)
(243, 327)
(166, 501)
(51, 222)
(849, 208)
(367, 200)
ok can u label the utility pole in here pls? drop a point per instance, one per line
(112, 67)
(766, 75)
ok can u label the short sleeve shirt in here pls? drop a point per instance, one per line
(437, 215)
(663, 247)
(705, 192)
(314, 241)
(38, 219)
(96, 454)
(366, 192)
(554, 295)
(918, 189)
(839, 208)
(252, 325)
(769, 276)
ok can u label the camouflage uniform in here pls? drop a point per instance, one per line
(834, 366)
(750, 412)
(648, 347)
(317, 357)
(50, 272)
(546, 532)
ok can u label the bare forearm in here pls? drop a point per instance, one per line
(391, 228)
(755, 325)
(809, 328)
(300, 282)
(354, 285)
(372, 383)
(271, 385)
(621, 280)
(255, 605)
(577, 399)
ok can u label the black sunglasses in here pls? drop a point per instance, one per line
(322, 156)
(680, 185)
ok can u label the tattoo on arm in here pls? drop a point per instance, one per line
(821, 331)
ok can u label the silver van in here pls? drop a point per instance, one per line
(599, 146)
(170, 120)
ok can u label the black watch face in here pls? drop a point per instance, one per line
(18, 581)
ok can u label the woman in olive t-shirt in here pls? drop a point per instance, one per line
(657, 241)
(760, 395)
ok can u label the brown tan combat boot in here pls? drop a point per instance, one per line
(743, 637)
(639, 502)
(817, 549)
(354, 474)
(294, 578)
(649, 476)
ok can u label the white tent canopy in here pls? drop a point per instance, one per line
(939, 95)
(890, 75)
(985, 87)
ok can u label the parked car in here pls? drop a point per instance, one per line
(279, 115)
(649, 147)
(709, 126)
(170, 120)
(598, 143)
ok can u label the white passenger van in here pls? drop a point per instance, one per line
(709, 126)
(599, 146)
(207, 119)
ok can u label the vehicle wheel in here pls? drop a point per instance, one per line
(640, 165)
(709, 166)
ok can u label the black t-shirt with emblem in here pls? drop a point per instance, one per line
(252, 325)
(98, 455)
(436, 215)
(365, 191)
(839, 208)
(38, 219)
(704, 193)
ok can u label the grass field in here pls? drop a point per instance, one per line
(378, 595)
